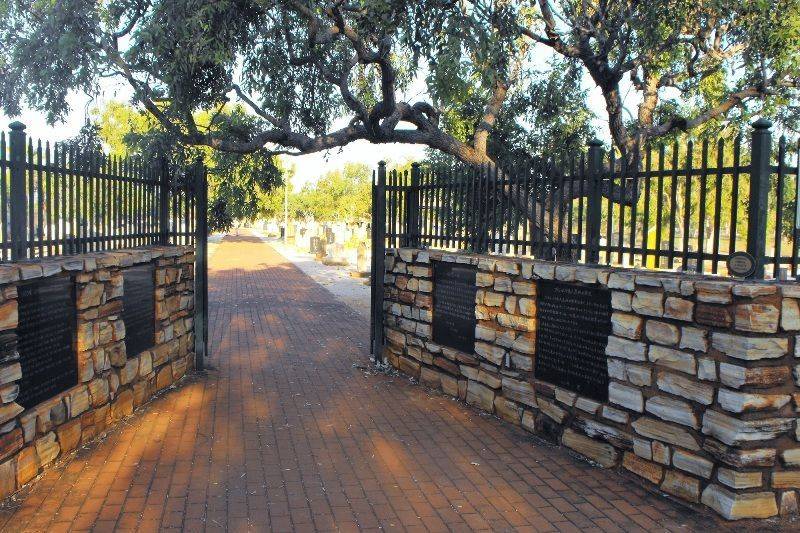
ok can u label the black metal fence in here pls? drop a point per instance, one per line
(58, 200)
(687, 206)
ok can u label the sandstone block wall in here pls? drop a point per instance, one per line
(111, 383)
(704, 375)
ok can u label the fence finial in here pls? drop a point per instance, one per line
(17, 126)
(762, 124)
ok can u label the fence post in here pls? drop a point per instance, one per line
(378, 259)
(18, 201)
(163, 201)
(593, 201)
(412, 209)
(761, 147)
(201, 265)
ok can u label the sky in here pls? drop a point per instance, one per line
(308, 168)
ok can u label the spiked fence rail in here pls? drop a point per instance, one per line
(676, 207)
(56, 200)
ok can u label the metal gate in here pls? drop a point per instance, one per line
(378, 271)
(201, 268)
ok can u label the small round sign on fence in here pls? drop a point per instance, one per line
(741, 264)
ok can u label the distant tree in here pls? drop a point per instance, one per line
(88, 141)
(238, 183)
(341, 195)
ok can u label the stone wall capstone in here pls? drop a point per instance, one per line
(704, 373)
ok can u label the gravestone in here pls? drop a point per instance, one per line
(315, 245)
(573, 324)
(46, 339)
(138, 308)
(454, 305)
(363, 258)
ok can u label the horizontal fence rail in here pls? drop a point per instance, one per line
(685, 206)
(57, 200)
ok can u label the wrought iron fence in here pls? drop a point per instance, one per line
(58, 200)
(686, 206)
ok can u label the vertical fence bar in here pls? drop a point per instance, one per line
(796, 230)
(469, 210)
(659, 204)
(201, 266)
(461, 185)
(776, 260)
(527, 221)
(48, 198)
(687, 206)
(761, 147)
(648, 176)
(634, 180)
(428, 199)
(18, 204)
(5, 251)
(612, 175)
(69, 195)
(541, 197)
(435, 213)
(581, 215)
(78, 197)
(495, 209)
(30, 174)
(625, 176)
(701, 220)
(412, 211)
(737, 168)
(717, 207)
(569, 200)
(39, 197)
(517, 205)
(391, 187)
(162, 174)
(673, 202)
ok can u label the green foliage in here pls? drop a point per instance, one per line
(87, 141)
(546, 119)
(308, 64)
(341, 195)
(238, 183)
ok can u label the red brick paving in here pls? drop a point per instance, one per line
(290, 432)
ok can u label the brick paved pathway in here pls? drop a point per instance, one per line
(291, 432)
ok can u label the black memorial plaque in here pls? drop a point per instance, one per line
(573, 324)
(139, 308)
(46, 334)
(454, 305)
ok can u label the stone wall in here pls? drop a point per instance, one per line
(111, 383)
(703, 389)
